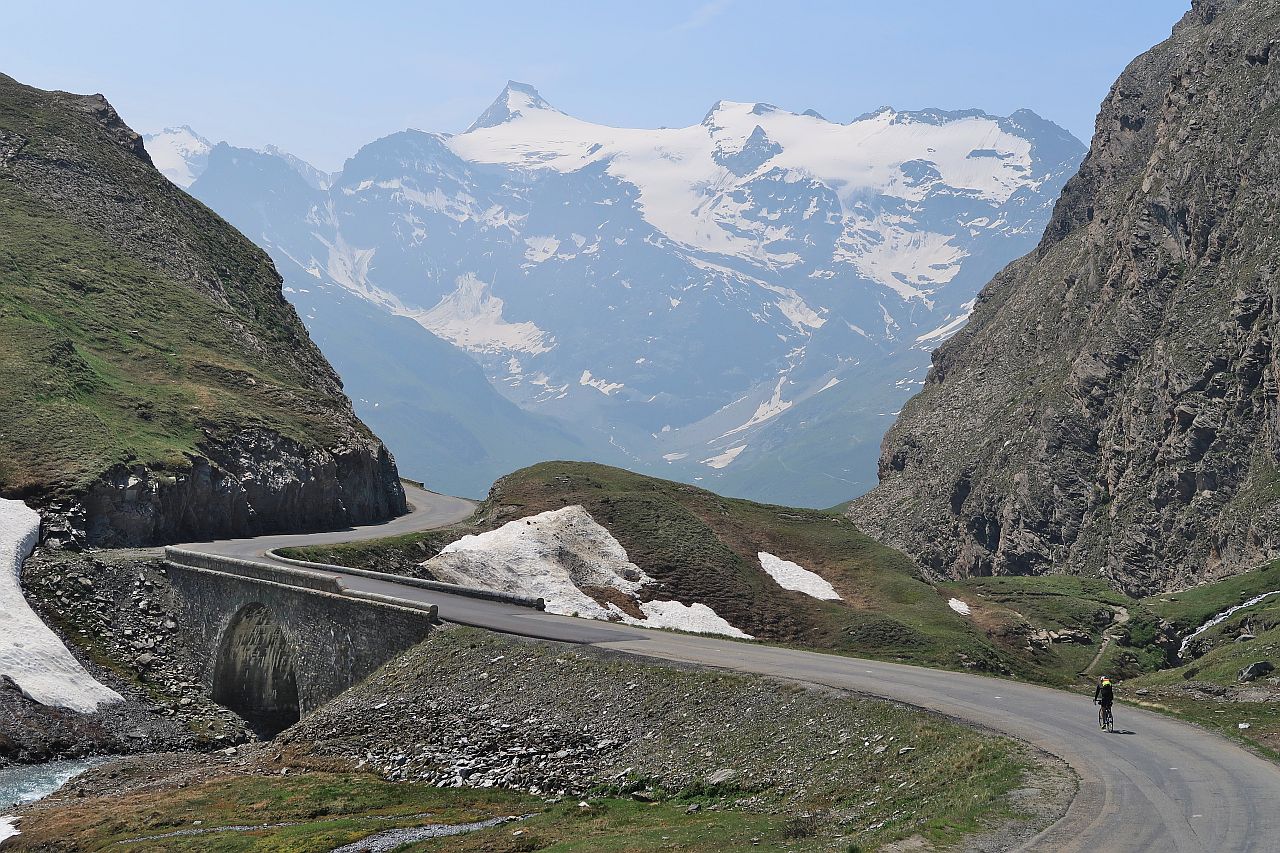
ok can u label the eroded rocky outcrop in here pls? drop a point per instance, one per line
(1112, 405)
(257, 483)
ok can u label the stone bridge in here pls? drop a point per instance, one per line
(280, 641)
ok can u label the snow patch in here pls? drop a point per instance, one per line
(471, 317)
(722, 460)
(540, 248)
(30, 653)
(949, 328)
(551, 555)
(696, 618)
(555, 556)
(793, 576)
(605, 388)
(960, 607)
(767, 410)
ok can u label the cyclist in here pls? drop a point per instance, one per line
(1103, 696)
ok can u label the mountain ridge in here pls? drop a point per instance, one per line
(676, 298)
(1106, 410)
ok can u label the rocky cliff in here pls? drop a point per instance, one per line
(154, 383)
(1111, 406)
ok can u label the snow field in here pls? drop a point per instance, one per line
(673, 167)
(960, 607)
(793, 576)
(30, 653)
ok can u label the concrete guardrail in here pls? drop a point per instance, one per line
(420, 583)
(319, 582)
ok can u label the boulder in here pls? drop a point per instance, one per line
(1257, 669)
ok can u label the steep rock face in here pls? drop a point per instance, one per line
(254, 483)
(1111, 406)
(154, 382)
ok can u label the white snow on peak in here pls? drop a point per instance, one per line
(30, 653)
(471, 317)
(179, 153)
(793, 576)
(687, 194)
(960, 607)
(515, 101)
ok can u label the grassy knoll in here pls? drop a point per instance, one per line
(1193, 607)
(314, 813)
(704, 548)
(809, 769)
(1207, 688)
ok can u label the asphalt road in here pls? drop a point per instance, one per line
(1155, 785)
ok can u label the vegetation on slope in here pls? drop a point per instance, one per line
(136, 327)
(810, 770)
(704, 548)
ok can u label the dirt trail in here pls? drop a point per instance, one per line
(1118, 619)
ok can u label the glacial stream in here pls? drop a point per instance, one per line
(1220, 618)
(28, 783)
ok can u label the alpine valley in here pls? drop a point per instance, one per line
(745, 302)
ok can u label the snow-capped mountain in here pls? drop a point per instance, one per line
(179, 153)
(745, 301)
(182, 156)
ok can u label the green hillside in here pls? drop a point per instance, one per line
(136, 327)
(704, 548)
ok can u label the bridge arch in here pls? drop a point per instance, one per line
(255, 674)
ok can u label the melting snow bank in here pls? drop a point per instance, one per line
(552, 555)
(793, 576)
(19, 785)
(1222, 617)
(30, 653)
(696, 618)
(959, 606)
(565, 558)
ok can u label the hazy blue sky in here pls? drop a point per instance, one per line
(322, 78)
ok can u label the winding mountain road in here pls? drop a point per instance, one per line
(1155, 785)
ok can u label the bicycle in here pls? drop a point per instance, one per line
(1106, 722)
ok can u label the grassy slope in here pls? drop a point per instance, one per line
(328, 809)
(107, 354)
(704, 547)
(1207, 688)
(1193, 607)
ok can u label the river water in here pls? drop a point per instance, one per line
(28, 783)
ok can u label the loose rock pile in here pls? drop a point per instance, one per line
(476, 709)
